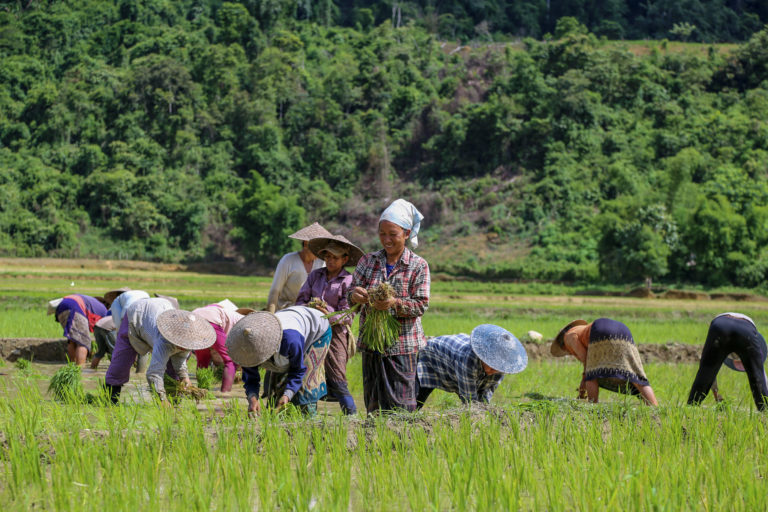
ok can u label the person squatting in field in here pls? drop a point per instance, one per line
(732, 339)
(610, 357)
(291, 345)
(293, 268)
(155, 326)
(472, 366)
(330, 285)
(389, 378)
(222, 316)
(77, 314)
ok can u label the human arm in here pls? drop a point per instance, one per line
(162, 351)
(278, 281)
(292, 347)
(415, 301)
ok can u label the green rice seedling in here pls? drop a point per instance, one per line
(218, 373)
(380, 330)
(23, 365)
(66, 384)
(205, 378)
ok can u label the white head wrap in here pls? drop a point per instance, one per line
(405, 215)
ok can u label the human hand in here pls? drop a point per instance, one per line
(386, 304)
(284, 400)
(359, 295)
(254, 407)
(185, 382)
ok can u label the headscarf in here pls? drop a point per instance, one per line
(405, 215)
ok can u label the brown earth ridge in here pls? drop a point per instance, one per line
(55, 350)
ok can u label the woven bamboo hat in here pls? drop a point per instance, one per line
(111, 295)
(337, 245)
(254, 338)
(185, 330)
(557, 349)
(314, 230)
(498, 348)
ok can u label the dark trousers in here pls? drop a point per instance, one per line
(726, 335)
(389, 382)
(422, 396)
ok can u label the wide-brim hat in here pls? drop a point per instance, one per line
(185, 329)
(254, 339)
(111, 295)
(498, 348)
(53, 305)
(557, 349)
(337, 245)
(173, 300)
(314, 230)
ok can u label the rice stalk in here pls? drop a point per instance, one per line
(66, 384)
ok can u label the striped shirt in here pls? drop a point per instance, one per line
(410, 279)
(450, 364)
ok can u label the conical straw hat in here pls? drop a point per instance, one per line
(320, 244)
(498, 348)
(312, 231)
(254, 338)
(185, 330)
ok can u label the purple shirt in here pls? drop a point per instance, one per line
(333, 292)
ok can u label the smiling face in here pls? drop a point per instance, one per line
(392, 238)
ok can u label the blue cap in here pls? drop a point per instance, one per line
(498, 348)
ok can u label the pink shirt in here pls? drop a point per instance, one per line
(215, 314)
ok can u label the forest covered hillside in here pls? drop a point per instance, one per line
(201, 130)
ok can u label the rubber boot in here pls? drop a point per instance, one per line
(227, 379)
(114, 393)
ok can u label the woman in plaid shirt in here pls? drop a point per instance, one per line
(389, 378)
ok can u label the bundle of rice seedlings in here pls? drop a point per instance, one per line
(66, 384)
(23, 365)
(380, 330)
(175, 390)
(318, 303)
(205, 378)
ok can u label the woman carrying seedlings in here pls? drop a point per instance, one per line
(610, 357)
(326, 290)
(222, 316)
(389, 363)
(291, 344)
(155, 326)
(77, 315)
(471, 366)
(732, 339)
(293, 268)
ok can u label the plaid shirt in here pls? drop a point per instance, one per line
(410, 279)
(450, 364)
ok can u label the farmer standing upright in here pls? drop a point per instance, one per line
(389, 377)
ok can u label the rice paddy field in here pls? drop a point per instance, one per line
(535, 447)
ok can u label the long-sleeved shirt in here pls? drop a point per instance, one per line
(289, 277)
(410, 279)
(302, 326)
(215, 314)
(122, 302)
(333, 292)
(450, 364)
(145, 337)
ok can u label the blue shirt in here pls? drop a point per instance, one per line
(450, 364)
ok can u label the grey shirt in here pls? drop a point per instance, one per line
(145, 337)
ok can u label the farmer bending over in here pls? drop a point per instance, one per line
(471, 366)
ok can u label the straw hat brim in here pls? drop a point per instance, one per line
(111, 295)
(557, 349)
(254, 339)
(185, 329)
(318, 245)
(314, 230)
(498, 348)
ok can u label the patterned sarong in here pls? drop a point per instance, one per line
(313, 386)
(613, 359)
(76, 329)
